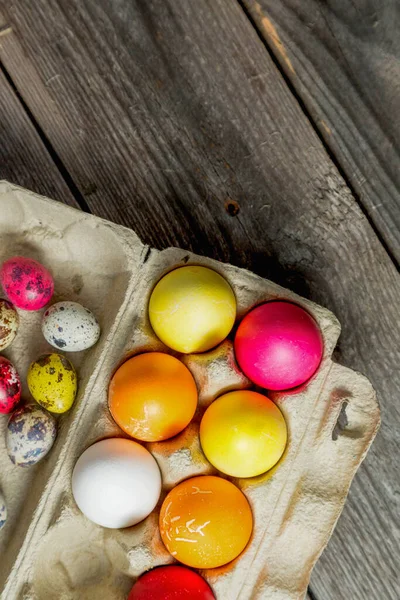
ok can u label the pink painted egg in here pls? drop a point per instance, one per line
(10, 386)
(278, 345)
(27, 283)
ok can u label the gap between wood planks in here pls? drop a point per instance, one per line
(315, 127)
(46, 142)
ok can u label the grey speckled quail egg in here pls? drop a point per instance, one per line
(3, 510)
(9, 322)
(70, 326)
(31, 432)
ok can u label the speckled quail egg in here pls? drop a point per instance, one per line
(3, 511)
(9, 322)
(52, 381)
(31, 432)
(26, 282)
(10, 386)
(70, 326)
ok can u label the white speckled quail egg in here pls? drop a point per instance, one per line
(31, 432)
(9, 322)
(69, 326)
(3, 510)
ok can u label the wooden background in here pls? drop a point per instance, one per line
(263, 133)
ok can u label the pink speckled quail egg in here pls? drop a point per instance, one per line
(10, 386)
(116, 483)
(9, 322)
(70, 326)
(26, 282)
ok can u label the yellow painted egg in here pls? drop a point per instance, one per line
(52, 382)
(243, 434)
(192, 309)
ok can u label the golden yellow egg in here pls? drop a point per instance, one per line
(192, 309)
(243, 433)
(52, 382)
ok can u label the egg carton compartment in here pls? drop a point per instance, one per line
(295, 505)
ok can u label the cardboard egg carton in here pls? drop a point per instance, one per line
(48, 549)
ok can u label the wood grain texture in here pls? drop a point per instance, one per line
(343, 58)
(23, 157)
(171, 117)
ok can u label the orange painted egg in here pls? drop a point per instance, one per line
(205, 522)
(152, 396)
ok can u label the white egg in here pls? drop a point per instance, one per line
(3, 510)
(116, 483)
(70, 326)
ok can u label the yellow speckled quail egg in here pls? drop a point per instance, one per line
(9, 322)
(52, 382)
(70, 326)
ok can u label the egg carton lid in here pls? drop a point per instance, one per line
(331, 421)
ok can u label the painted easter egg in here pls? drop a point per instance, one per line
(192, 309)
(10, 386)
(116, 483)
(243, 434)
(31, 432)
(52, 382)
(3, 511)
(278, 345)
(26, 282)
(9, 322)
(70, 326)
(152, 396)
(205, 522)
(172, 582)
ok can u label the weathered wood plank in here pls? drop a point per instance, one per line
(170, 117)
(23, 157)
(343, 57)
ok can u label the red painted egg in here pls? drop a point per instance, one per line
(27, 283)
(10, 386)
(171, 583)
